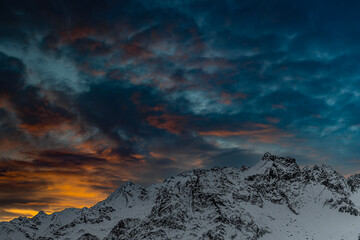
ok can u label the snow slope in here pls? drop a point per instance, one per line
(272, 200)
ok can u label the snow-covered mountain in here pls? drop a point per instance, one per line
(274, 199)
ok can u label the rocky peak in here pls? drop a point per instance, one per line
(282, 160)
(41, 214)
(39, 217)
(126, 188)
(268, 157)
(354, 182)
(127, 193)
(323, 172)
(327, 176)
(279, 167)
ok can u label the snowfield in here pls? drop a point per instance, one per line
(270, 201)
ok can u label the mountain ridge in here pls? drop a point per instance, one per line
(274, 199)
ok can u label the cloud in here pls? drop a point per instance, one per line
(12, 75)
(258, 133)
(173, 124)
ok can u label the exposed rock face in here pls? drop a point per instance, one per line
(354, 182)
(88, 236)
(219, 203)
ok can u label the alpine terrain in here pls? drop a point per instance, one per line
(274, 199)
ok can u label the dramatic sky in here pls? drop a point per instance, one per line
(96, 93)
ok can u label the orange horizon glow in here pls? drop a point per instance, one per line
(59, 184)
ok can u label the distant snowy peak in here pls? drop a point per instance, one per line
(274, 199)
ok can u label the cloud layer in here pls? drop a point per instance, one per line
(96, 93)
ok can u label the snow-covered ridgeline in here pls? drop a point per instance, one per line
(274, 199)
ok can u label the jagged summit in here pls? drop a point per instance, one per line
(274, 199)
(274, 167)
(128, 186)
(126, 193)
(41, 214)
(270, 157)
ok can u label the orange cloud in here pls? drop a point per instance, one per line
(162, 155)
(278, 106)
(227, 98)
(171, 123)
(257, 132)
(134, 50)
(4, 103)
(91, 71)
(273, 120)
(42, 129)
(76, 33)
(8, 144)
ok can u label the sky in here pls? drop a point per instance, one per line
(97, 93)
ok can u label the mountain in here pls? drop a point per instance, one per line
(274, 199)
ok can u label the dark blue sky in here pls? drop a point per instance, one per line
(95, 93)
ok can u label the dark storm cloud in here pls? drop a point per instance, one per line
(65, 159)
(36, 111)
(110, 105)
(31, 105)
(141, 90)
(12, 72)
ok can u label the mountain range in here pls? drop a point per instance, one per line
(273, 199)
